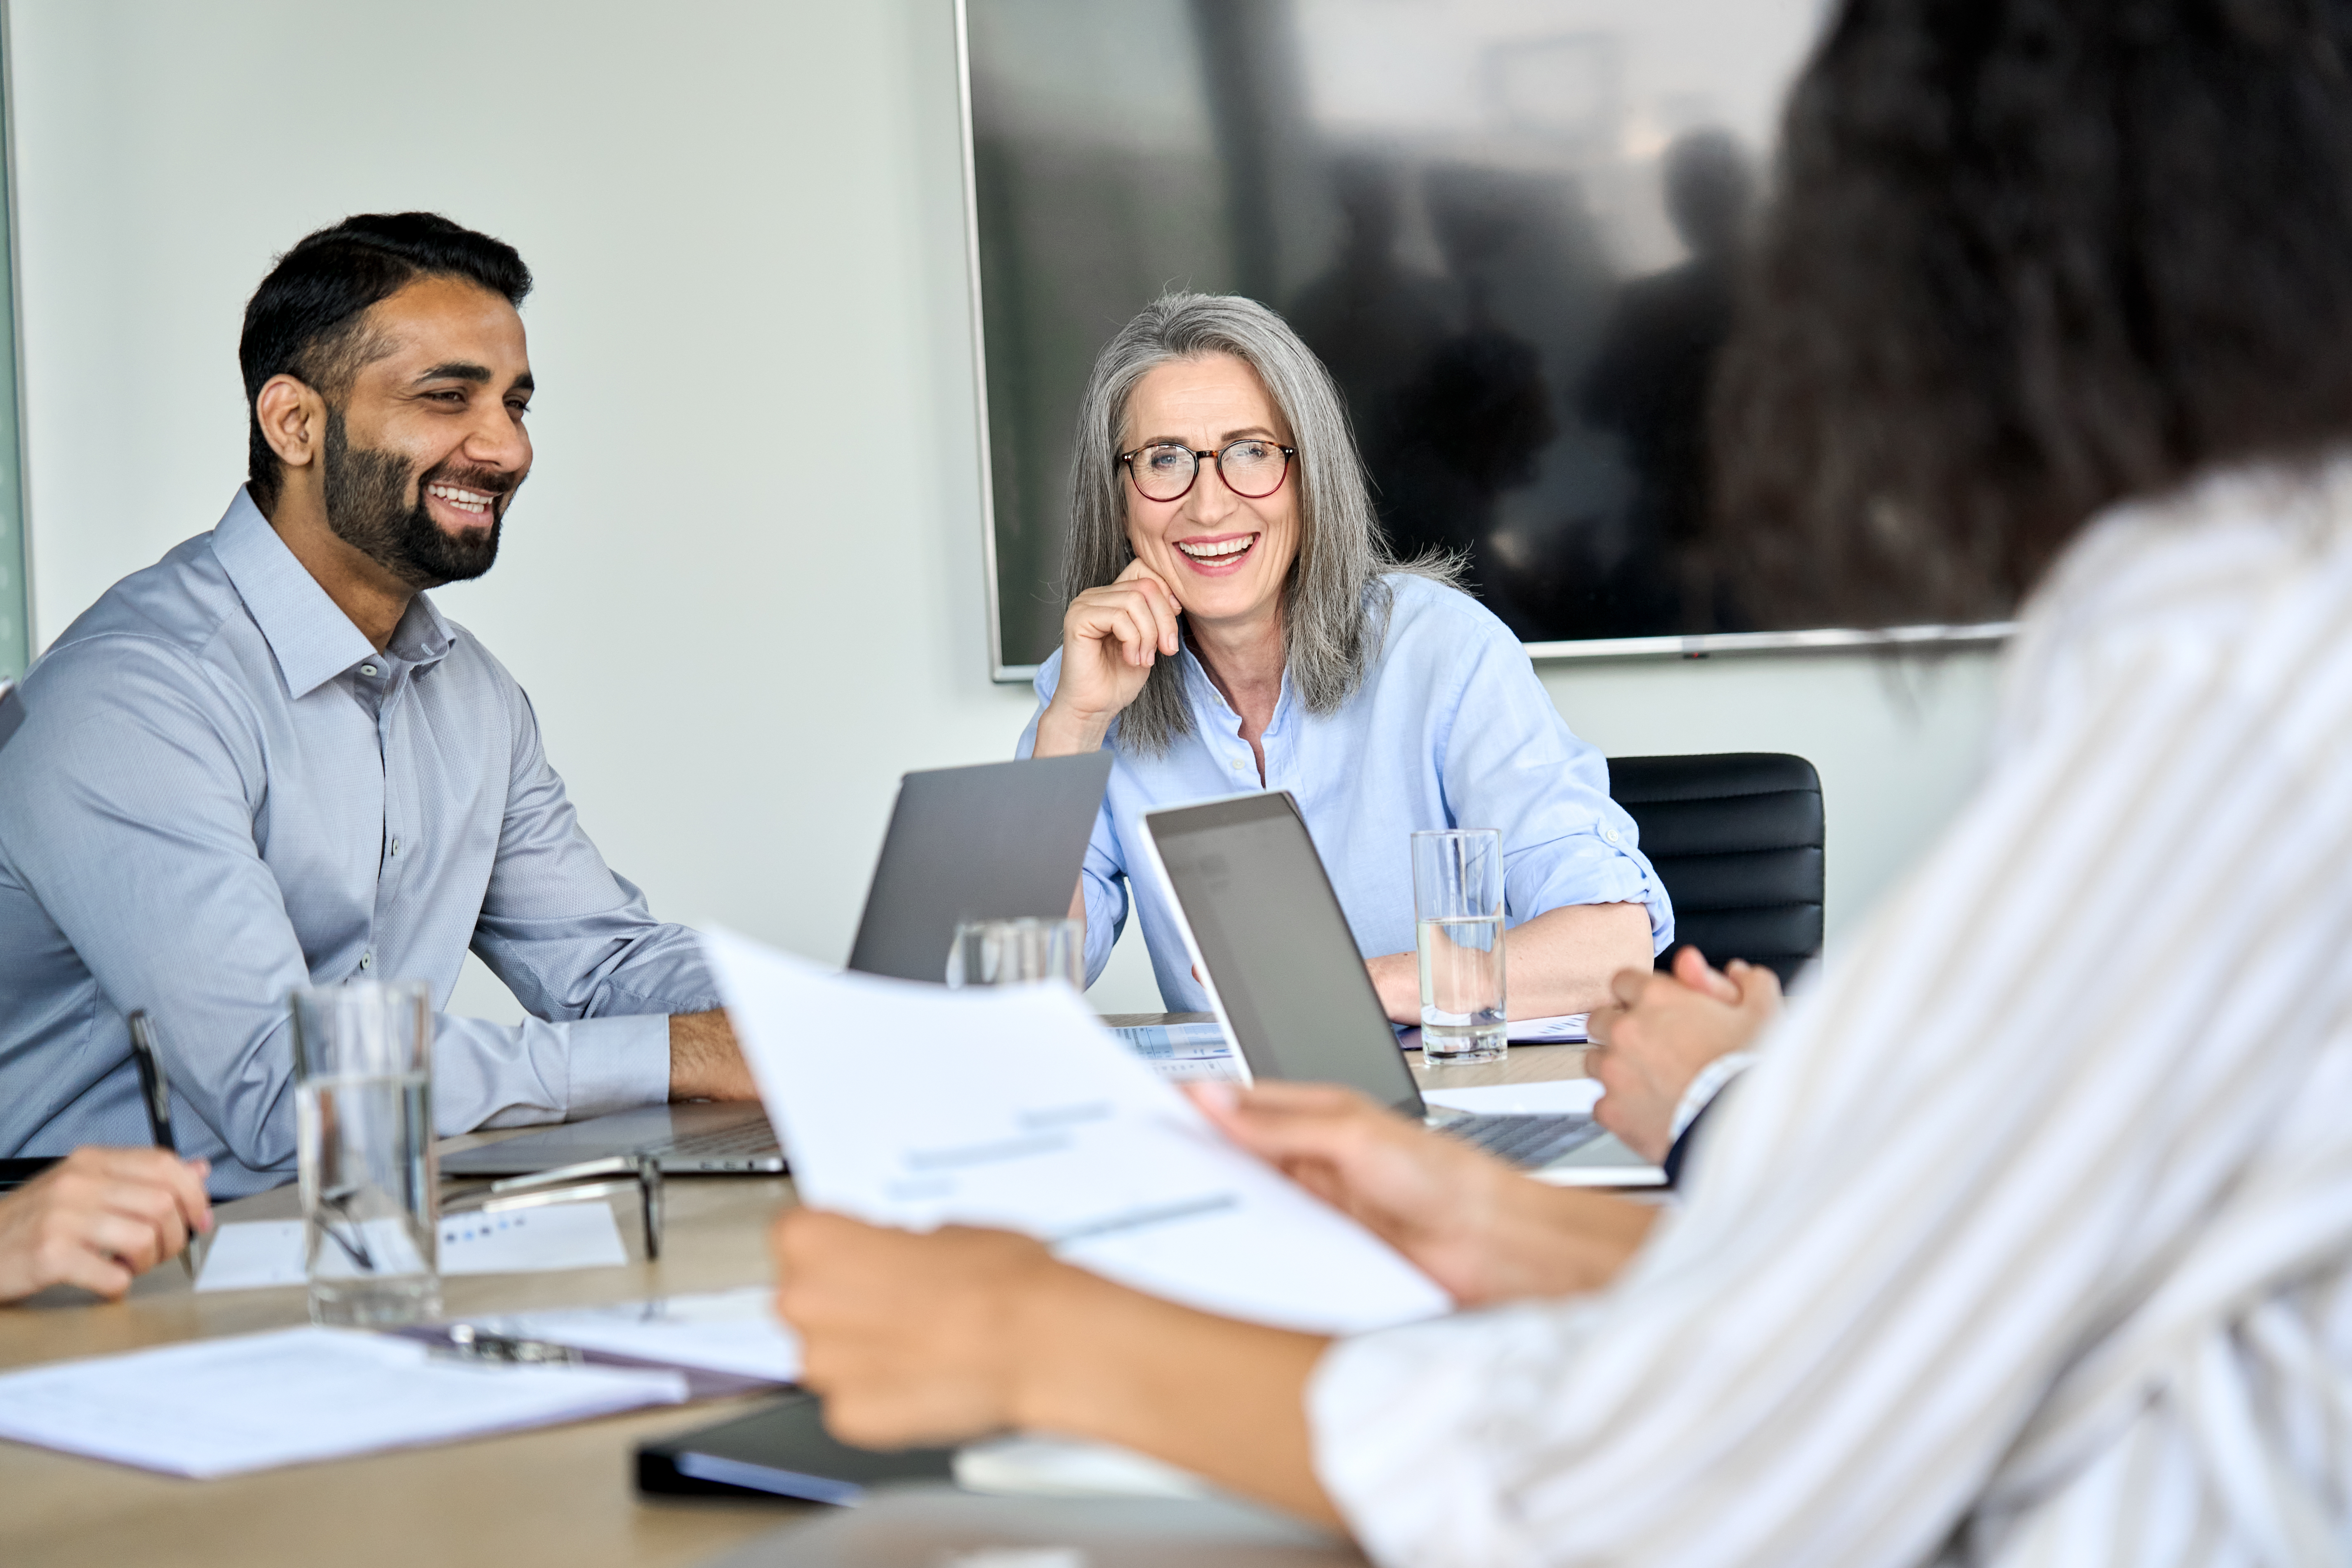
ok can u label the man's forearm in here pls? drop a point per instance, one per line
(705, 1063)
(1223, 1399)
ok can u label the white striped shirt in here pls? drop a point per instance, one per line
(2029, 1238)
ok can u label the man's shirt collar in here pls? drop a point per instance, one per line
(310, 635)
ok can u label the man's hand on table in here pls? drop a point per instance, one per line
(705, 1062)
(1663, 1029)
(98, 1217)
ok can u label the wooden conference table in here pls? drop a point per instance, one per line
(562, 1495)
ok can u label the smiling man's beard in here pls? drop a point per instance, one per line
(368, 508)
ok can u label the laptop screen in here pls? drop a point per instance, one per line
(993, 842)
(1276, 948)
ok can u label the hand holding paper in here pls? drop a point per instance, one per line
(912, 1106)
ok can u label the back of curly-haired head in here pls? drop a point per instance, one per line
(2027, 258)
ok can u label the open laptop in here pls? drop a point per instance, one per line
(1282, 971)
(993, 842)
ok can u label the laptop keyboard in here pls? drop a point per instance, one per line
(1529, 1140)
(753, 1138)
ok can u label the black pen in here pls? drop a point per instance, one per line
(155, 1090)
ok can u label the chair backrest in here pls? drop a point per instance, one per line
(1736, 839)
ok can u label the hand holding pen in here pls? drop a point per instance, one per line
(98, 1217)
(155, 1094)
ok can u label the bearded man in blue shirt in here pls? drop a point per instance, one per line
(268, 761)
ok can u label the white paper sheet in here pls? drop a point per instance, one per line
(1560, 1097)
(917, 1106)
(1027, 1463)
(1182, 1053)
(723, 1331)
(220, 1407)
(253, 1253)
(1560, 1029)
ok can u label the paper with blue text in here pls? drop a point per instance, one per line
(917, 1106)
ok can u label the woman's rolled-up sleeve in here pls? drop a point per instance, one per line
(1508, 760)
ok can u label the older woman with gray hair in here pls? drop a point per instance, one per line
(1235, 623)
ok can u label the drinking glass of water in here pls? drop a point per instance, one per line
(1457, 905)
(363, 1130)
(1017, 952)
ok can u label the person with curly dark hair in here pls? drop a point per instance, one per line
(2028, 1237)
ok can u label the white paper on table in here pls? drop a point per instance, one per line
(220, 1407)
(1560, 1097)
(917, 1106)
(1027, 1463)
(1174, 1041)
(722, 1331)
(252, 1254)
(1560, 1029)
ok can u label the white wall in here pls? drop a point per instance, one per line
(743, 586)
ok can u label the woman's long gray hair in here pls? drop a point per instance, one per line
(1334, 606)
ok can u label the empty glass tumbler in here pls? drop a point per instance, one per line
(1457, 905)
(1017, 952)
(364, 1128)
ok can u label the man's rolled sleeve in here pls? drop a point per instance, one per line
(502, 1075)
(617, 1063)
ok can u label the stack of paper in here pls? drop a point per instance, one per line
(915, 1106)
(219, 1408)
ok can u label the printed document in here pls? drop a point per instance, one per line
(255, 1254)
(916, 1106)
(1560, 1029)
(220, 1407)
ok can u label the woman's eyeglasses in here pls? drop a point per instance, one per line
(1251, 468)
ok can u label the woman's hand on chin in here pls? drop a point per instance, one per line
(1111, 638)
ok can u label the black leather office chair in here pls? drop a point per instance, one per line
(1736, 839)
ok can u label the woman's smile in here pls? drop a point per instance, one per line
(1216, 554)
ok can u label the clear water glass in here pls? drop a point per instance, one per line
(363, 1130)
(1018, 952)
(1457, 906)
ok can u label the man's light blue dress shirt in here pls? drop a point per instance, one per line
(1450, 729)
(214, 791)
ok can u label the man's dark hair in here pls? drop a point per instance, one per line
(307, 320)
(2028, 258)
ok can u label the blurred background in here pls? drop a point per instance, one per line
(746, 585)
(1510, 228)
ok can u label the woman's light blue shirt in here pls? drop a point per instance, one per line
(1450, 729)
